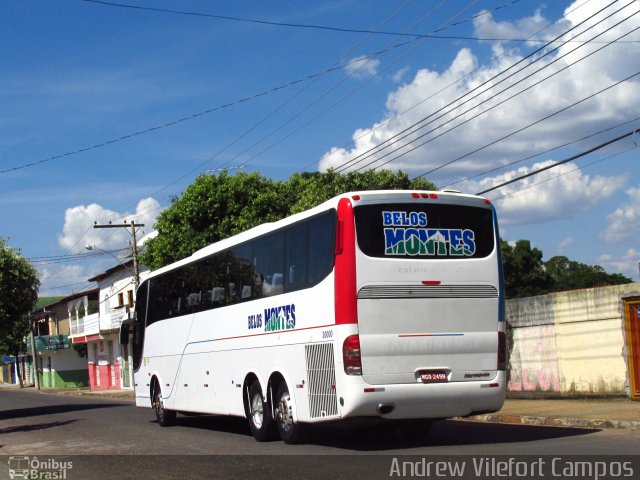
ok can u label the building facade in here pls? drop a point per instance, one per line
(59, 365)
(109, 363)
(576, 343)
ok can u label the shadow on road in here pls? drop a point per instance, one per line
(53, 409)
(380, 436)
(35, 427)
(212, 422)
(374, 435)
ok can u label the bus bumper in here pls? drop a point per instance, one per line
(438, 400)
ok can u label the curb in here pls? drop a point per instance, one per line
(554, 421)
(74, 392)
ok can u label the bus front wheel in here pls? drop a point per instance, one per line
(166, 418)
(260, 420)
(291, 432)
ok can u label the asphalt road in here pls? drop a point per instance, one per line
(118, 440)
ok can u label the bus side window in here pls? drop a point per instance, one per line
(217, 296)
(321, 247)
(269, 262)
(296, 257)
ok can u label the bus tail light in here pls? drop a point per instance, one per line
(351, 355)
(502, 351)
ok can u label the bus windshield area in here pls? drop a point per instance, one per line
(424, 231)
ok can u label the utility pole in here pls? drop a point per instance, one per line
(34, 354)
(133, 225)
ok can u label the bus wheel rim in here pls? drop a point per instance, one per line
(284, 417)
(257, 412)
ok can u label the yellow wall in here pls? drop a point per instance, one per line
(577, 337)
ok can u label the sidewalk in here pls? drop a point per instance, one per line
(594, 413)
(579, 413)
(80, 392)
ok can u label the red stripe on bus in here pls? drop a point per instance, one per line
(345, 265)
(264, 333)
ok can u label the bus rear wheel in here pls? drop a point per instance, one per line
(166, 418)
(260, 420)
(290, 431)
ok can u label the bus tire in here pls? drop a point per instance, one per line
(291, 432)
(258, 412)
(166, 418)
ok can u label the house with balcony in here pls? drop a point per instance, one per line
(109, 363)
(59, 365)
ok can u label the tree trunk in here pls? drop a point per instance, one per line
(18, 369)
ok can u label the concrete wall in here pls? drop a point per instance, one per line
(570, 343)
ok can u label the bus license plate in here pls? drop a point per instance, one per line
(433, 376)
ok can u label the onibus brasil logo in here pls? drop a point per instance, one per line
(32, 468)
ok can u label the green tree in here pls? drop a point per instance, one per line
(18, 295)
(311, 189)
(215, 207)
(569, 275)
(524, 273)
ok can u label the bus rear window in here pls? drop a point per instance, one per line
(424, 231)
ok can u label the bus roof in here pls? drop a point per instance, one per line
(358, 197)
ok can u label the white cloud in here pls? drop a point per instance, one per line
(363, 67)
(626, 264)
(430, 91)
(62, 279)
(560, 192)
(398, 77)
(564, 244)
(486, 27)
(624, 222)
(78, 225)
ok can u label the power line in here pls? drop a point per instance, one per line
(336, 29)
(529, 125)
(252, 128)
(299, 92)
(175, 181)
(458, 80)
(566, 144)
(201, 165)
(609, 157)
(451, 106)
(584, 99)
(57, 259)
(341, 99)
(230, 104)
(498, 104)
(574, 157)
(69, 285)
(196, 115)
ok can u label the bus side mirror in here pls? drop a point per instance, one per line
(124, 333)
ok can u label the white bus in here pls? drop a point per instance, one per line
(375, 303)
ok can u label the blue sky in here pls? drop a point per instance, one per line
(77, 75)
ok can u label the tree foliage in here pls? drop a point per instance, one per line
(526, 274)
(18, 295)
(215, 207)
(568, 275)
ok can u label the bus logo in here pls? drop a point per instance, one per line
(405, 234)
(32, 468)
(19, 467)
(280, 318)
